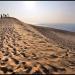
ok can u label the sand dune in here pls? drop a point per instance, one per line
(26, 50)
(61, 37)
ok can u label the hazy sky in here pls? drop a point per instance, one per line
(40, 11)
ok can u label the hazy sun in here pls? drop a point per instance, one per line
(30, 4)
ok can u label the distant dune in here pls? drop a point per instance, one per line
(28, 49)
(61, 37)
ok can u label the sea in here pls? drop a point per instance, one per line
(67, 27)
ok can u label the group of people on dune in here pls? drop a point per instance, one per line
(4, 15)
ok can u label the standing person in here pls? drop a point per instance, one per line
(1, 16)
(7, 15)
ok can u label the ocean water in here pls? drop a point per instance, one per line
(67, 27)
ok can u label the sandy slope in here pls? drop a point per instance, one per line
(24, 50)
(63, 38)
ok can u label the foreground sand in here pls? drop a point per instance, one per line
(24, 50)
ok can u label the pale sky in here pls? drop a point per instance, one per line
(37, 12)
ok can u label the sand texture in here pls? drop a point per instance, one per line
(24, 49)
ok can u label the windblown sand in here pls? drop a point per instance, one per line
(25, 50)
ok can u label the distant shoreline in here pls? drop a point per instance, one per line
(65, 27)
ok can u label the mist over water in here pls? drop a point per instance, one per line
(67, 27)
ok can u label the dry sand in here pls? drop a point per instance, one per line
(65, 39)
(26, 50)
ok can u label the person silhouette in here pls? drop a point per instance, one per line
(5, 15)
(1, 16)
